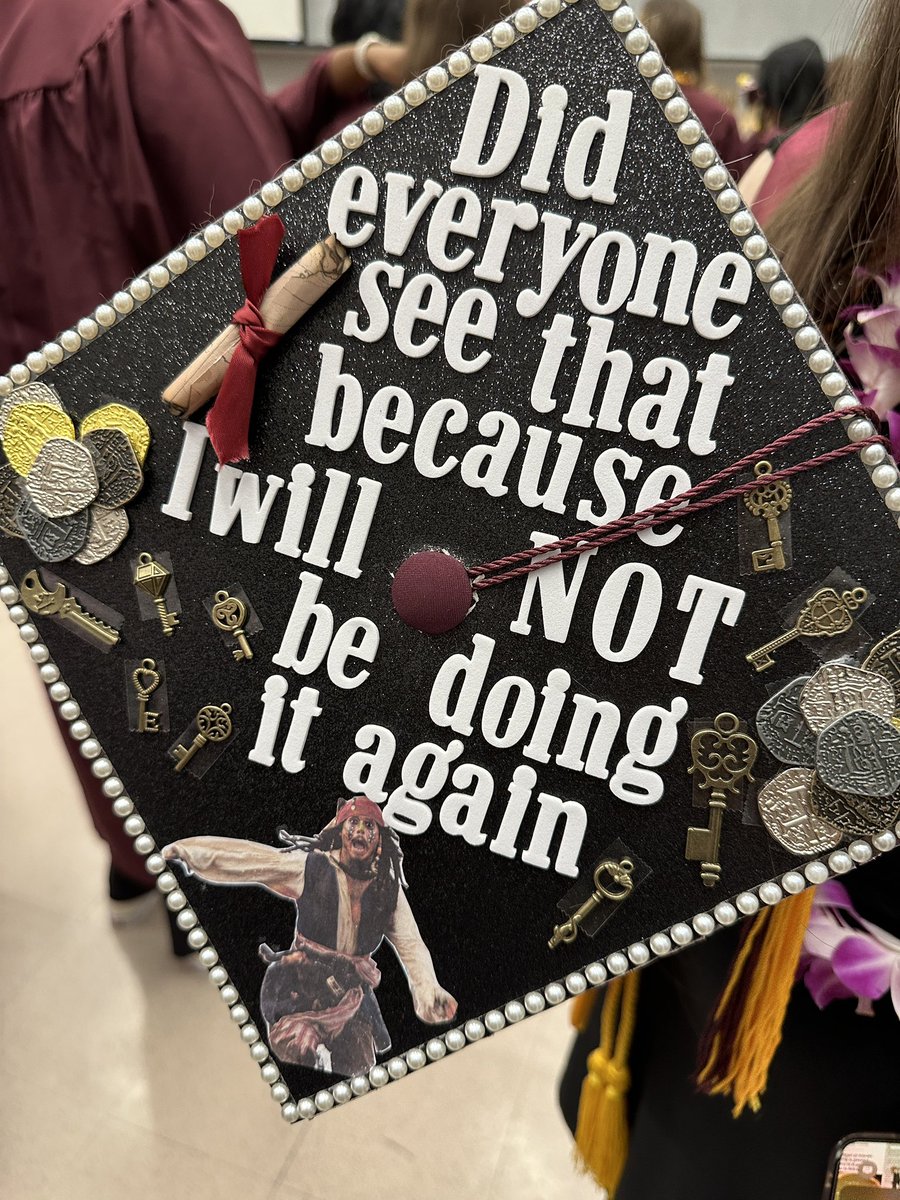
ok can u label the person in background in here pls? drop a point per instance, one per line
(677, 28)
(790, 88)
(354, 18)
(833, 216)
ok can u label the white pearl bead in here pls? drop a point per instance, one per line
(437, 79)
(208, 957)
(68, 709)
(123, 807)
(186, 919)
(548, 8)
(218, 975)
(704, 924)
(332, 152)
(816, 872)
(435, 1049)
(311, 166)
(6, 385)
(639, 954)
(747, 903)
(495, 1021)
(144, 844)
(821, 360)
(459, 64)
(394, 106)
(258, 1051)
(342, 1093)
(292, 179)
(397, 1068)
(176, 901)
(742, 223)
(554, 993)
(307, 1109)
(272, 195)
(609, 5)
(90, 748)
(481, 49)
(662, 87)
(351, 137)
(50, 673)
(840, 862)
(359, 1085)
(105, 315)
(378, 1076)
(290, 1113)
(101, 768)
(690, 132)
(725, 913)
(113, 787)
(79, 730)
(415, 93)
(833, 384)
(806, 338)
(20, 373)
(373, 123)
(703, 155)
(70, 340)
(324, 1101)
(503, 35)
(534, 1002)
(39, 653)
(770, 893)
(229, 994)
(650, 64)
(36, 363)
(214, 236)
(858, 429)
(253, 208)
(233, 221)
(195, 249)
(677, 109)
(846, 404)
(249, 1033)
(682, 934)
(575, 983)
(892, 498)
(637, 41)
(595, 973)
(794, 316)
(525, 20)
(617, 963)
(140, 288)
(270, 1073)
(860, 851)
(623, 19)
(155, 864)
(715, 178)
(158, 275)
(177, 262)
(755, 246)
(53, 353)
(197, 938)
(884, 476)
(9, 594)
(416, 1059)
(514, 1011)
(18, 614)
(123, 303)
(660, 944)
(884, 841)
(455, 1039)
(780, 292)
(28, 632)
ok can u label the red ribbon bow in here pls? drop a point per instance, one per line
(228, 421)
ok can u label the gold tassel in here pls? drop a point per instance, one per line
(601, 1136)
(745, 1031)
(581, 1008)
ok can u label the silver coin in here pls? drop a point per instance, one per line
(884, 658)
(63, 478)
(784, 805)
(118, 470)
(859, 753)
(858, 815)
(51, 538)
(29, 393)
(782, 728)
(10, 498)
(836, 689)
(107, 530)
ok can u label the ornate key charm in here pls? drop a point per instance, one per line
(722, 758)
(59, 603)
(825, 614)
(620, 876)
(146, 680)
(769, 501)
(230, 615)
(153, 578)
(213, 725)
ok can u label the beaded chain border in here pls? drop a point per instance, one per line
(881, 467)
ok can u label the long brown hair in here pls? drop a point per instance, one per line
(432, 28)
(677, 28)
(846, 213)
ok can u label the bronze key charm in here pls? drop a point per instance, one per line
(230, 615)
(770, 501)
(153, 578)
(213, 725)
(146, 680)
(722, 757)
(59, 603)
(825, 614)
(620, 875)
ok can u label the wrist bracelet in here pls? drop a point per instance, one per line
(360, 55)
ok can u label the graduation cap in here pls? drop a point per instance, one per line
(547, 628)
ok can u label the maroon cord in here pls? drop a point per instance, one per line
(677, 508)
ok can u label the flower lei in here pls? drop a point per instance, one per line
(872, 339)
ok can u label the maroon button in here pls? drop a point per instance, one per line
(432, 591)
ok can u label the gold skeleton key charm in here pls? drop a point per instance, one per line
(213, 725)
(770, 501)
(153, 578)
(825, 614)
(230, 615)
(722, 758)
(59, 603)
(620, 875)
(146, 680)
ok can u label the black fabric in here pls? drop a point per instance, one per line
(835, 1073)
(317, 908)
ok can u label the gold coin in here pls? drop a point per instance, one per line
(118, 416)
(28, 427)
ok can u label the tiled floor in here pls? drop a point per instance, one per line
(120, 1075)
